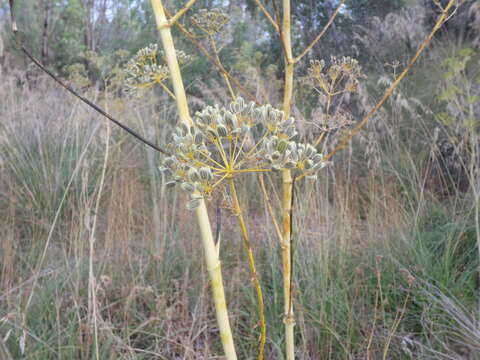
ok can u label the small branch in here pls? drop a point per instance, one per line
(441, 20)
(268, 16)
(220, 68)
(167, 90)
(181, 12)
(217, 58)
(277, 13)
(319, 36)
(269, 207)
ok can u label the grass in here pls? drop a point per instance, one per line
(382, 268)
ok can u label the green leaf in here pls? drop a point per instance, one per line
(466, 52)
(472, 99)
(471, 123)
(445, 118)
(455, 65)
(448, 75)
(449, 93)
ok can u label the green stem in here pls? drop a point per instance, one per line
(251, 264)
(211, 255)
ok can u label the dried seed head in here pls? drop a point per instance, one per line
(147, 68)
(210, 21)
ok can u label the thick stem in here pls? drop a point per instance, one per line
(211, 255)
(215, 272)
(253, 270)
(289, 319)
(172, 62)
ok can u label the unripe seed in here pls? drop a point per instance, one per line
(206, 174)
(193, 174)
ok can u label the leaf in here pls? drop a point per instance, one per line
(471, 123)
(449, 93)
(466, 52)
(455, 65)
(445, 118)
(472, 99)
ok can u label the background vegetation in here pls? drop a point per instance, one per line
(386, 259)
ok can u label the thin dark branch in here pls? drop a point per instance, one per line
(19, 38)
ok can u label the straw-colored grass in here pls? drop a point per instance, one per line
(358, 234)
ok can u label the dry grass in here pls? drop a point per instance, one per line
(356, 229)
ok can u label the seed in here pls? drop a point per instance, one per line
(193, 204)
(308, 164)
(168, 162)
(231, 120)
(184, 129)
(290, 164)
(222, 130)
(198, 138)
(193, 175)
(170, 184)
(317, 158)
(309, 150)
(282, 146)
(188, 187)
(211, 131)
(206, 174)
(276, 155)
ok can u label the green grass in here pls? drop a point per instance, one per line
(357, 240)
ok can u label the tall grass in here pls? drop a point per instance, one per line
(383, 268)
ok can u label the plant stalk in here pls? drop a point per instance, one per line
(253, 270)
(211, 255)
(289, 318)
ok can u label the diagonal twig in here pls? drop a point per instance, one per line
(268, 16)
(20, 42)
(269, 207)
(441, 20)
(219, 66)
(319, 36)
(179, 14)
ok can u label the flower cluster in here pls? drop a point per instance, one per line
(341, 77)
(148, 68)
(244, 138)
(210, 21)
(298, 157)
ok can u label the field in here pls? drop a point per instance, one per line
(100, 260)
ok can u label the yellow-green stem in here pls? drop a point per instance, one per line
(172, 62)
(289, 318)
(253, 270)
(215, 272)
(211, 255)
